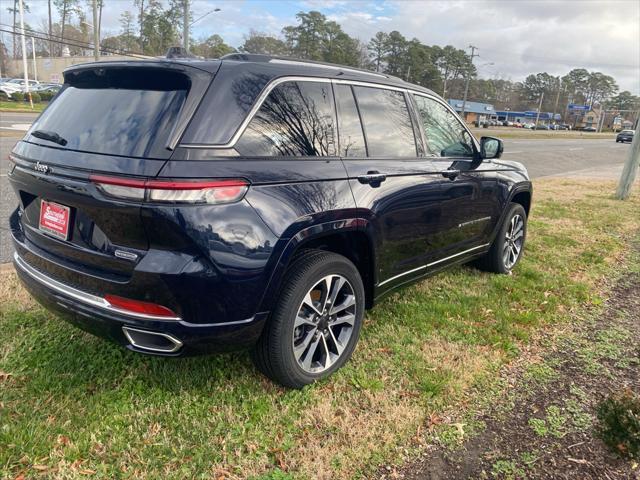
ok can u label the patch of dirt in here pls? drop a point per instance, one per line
(544, 424)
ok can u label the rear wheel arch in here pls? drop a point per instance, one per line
(345, 238)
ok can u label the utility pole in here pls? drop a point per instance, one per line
(96, 35)
(630, 167)
(539, 107)
(50, 31)
(24, 54)
(185, 25)
(466, 86)
(35, 67)
(555, 108)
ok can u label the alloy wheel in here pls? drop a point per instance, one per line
(324, 324)
(514, 239)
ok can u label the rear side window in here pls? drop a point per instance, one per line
(386, 122)
(296, 119)
(117, 112)
(349, 126)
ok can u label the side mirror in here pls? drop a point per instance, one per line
(491, 147)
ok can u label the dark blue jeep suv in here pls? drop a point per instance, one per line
(186, 206)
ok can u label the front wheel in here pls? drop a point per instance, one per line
(508, 245)
(316, 323)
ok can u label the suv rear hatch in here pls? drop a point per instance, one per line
(109, 118)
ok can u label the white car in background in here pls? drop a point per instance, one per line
(13, 85)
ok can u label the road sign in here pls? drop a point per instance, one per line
(574, 106)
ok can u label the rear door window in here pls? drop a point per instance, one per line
(386, 121)
(349, 126)
(297, 119)
(121, 112)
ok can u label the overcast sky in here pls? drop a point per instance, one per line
(517, 36)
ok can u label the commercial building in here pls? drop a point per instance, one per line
(528, 116)
(474, 111)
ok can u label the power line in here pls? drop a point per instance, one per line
(43, 36)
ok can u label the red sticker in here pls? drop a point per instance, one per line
(54, 219)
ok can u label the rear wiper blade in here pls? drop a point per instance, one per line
(49, 135)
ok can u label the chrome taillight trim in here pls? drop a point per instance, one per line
(79, 295)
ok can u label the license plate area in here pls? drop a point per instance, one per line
(54, 219)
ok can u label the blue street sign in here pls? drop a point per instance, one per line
(574, 106)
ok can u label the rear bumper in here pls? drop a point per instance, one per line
(90, 313)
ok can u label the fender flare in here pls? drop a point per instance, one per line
(292, 245)
(518, 188)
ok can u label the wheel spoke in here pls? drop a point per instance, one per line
(308, 301)
(335, 290)
(349, 301)
(308, 358)
(299, 350)
(302, 321)
(327, 358)
(324, 295)
(338, 345)
(349, 319)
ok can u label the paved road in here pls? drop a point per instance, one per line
(542, 157)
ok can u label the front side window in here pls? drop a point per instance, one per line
(444, 132)
(386, 121)
(296, 119)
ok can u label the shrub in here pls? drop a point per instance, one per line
(3, 97)
(46, 96)
(17, 96)
(35, 98)
(619, 417)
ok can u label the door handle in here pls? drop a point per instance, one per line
(451, 174)
(373, 178)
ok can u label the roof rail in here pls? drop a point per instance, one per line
(255, 57)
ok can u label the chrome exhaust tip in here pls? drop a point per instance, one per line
(152, 341)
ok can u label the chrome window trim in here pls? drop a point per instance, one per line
(295, 78)
(433, 263)
(79, 295)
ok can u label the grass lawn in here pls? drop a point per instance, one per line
(6, 106)
(72, 405)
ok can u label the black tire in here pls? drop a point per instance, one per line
(273, 354)
(494, 260)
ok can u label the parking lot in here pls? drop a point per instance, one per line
(598, 157)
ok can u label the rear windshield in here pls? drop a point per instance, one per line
(117, 112)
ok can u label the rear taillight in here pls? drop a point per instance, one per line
(172, 191)
(127, 305)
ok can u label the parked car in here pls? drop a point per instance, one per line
(530, 126)
(625, 136)
(541, 126)
(589, 129)
(562, 127)
(183, 207)
(14, 85)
